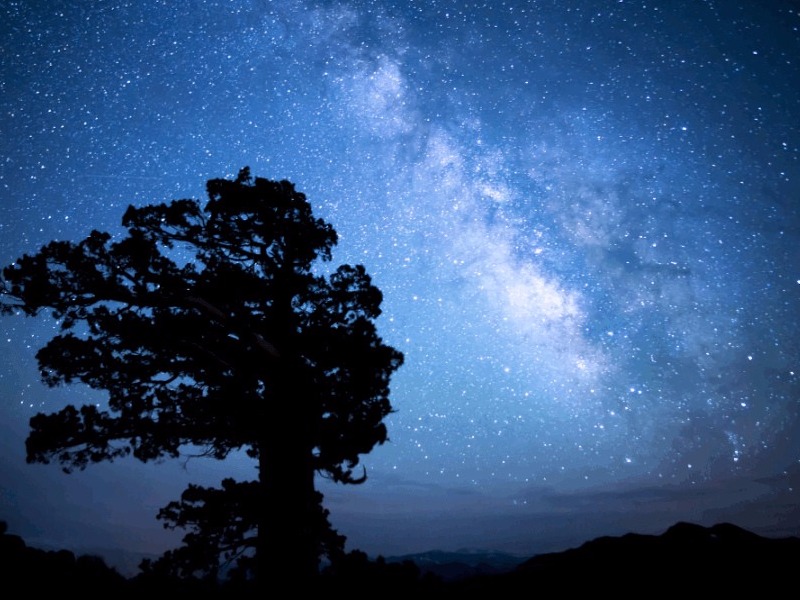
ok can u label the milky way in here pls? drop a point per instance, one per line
(583, 217)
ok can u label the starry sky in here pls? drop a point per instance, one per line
(584, 216)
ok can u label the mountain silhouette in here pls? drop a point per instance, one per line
(461, 564)
(685, 558)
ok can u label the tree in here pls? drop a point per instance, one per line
(211, 328)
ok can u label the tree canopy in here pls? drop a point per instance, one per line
(210, 327)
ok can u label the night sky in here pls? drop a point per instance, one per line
(584, 217)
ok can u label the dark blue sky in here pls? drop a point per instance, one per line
(583, 216)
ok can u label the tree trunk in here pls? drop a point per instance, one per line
(287, 547)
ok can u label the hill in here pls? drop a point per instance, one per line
(685, 558)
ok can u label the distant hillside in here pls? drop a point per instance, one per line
(41, 571)
(684, 558)
(461, 564)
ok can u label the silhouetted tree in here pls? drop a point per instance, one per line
(208, 327)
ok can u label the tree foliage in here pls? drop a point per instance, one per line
(210, 327)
